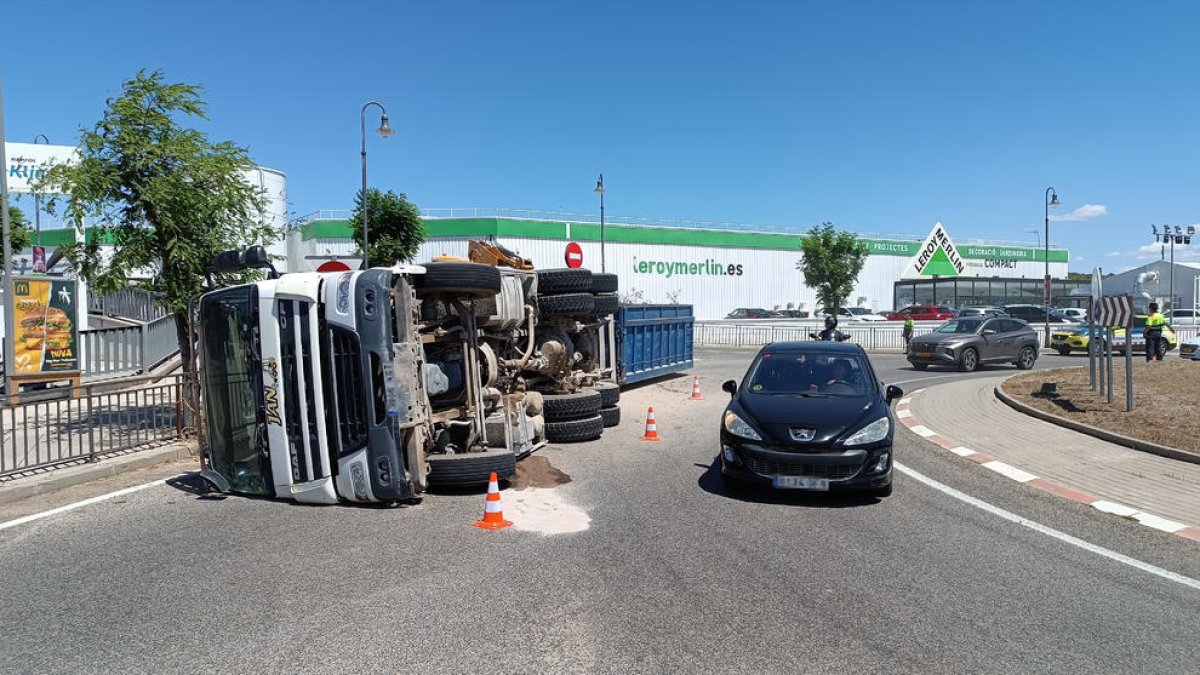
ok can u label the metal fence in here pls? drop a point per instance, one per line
(89, 422)
(134, 303)
(111, 352)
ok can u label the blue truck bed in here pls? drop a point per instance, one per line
(653, 340)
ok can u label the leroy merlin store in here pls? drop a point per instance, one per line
(716, 269)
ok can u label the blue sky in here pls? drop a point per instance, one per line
(876, 116)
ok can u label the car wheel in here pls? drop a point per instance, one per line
(920, 366)
(1027, 358)
(1064, 351)
(969, 360)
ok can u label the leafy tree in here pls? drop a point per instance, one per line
(162, 195)
(395, 224)
(831, 263)
(18, 230)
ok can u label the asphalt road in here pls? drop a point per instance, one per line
(672, 574)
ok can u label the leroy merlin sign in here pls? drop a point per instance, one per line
(937, 256)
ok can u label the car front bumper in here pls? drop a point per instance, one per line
(939, 356)
(843, 469)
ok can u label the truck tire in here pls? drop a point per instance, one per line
(557, 407)
(459, 278)
(607, 304)
(610, 393)
(471, 468)
(604, 282)
(569, 304)
(612, 416)
(564, 280)
(575, 431)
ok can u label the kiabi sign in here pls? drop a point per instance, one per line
(28, 162)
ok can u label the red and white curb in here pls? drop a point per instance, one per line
(904, 416)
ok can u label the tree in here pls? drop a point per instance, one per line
(18, 230)
(164, 198)
(396, 229)
(831, 263)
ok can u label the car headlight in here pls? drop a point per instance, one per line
(948, 350)
(872, 433)
(738, 427)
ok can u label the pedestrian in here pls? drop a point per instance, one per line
(908, 331)
(1156, 345)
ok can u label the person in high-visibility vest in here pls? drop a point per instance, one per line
(908, 332)
(1156, 344)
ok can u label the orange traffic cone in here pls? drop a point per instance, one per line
(696, 389)
(651, 427)
(493, 517)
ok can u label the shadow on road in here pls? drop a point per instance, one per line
(711, 482)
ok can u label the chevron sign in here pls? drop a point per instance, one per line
(1114, 310)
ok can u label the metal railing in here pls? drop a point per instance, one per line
(110, 352)
(134, 303)
(88, 422)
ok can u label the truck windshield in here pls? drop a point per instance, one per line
(233, 387)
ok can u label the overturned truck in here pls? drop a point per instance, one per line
(374, 385)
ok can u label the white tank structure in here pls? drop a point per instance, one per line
(273, 184)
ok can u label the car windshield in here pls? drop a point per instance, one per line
(960, 326)
(795, 373)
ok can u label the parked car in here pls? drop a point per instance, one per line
(749, 313)
(1190, 349)
(1139, 337)
(809, 416)
(856, 314)
(981, 311)
(793, 313)
(1075, 313)
(967, 343)
(1069, 339)
(1036, 314)
(1183, 317)
(923, 313)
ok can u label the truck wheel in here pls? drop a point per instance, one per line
(611, 416)
(558, 407)
(460, 278)
(471, 468)
(607, 304)
(574, 431)
(566, 305)
(565, 280)
(610, 393)
(604, 282)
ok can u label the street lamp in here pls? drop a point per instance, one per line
(37, 198)
(1051, 200)
(1179, 236)
(385, 131)
(600, 191)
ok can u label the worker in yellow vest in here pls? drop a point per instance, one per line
(1156, 344)
(908, 332)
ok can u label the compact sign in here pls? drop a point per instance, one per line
(574, 255)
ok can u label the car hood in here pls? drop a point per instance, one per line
(828, 416)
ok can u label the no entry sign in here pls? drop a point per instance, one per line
(574, 255)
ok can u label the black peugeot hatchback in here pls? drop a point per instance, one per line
(809, 416)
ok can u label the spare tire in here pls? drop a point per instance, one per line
(607, 304)
(612, 416)
(565, 280)
(569, 304)
(557, 407)
(574, 431)
(471, 468)
(604, 282)
(457, 278)
(610, 393)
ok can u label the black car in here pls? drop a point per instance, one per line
(809, 416)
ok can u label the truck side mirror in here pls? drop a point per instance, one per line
(229, 261)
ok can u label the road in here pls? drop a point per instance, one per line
(670, 574)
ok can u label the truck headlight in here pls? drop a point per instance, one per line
(738, 427)
(872, 433)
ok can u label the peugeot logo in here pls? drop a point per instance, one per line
(803, 434)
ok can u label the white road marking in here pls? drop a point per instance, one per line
(1158, 522)
(902, 414)
(87, 502)
(962, 451)
(1010, 471)
(922, 430)
(1114, 508)
(1049, 531)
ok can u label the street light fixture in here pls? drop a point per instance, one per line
(384, 130)
(600, 191)
(1179, 236)
(37, 198)
(1051, 200)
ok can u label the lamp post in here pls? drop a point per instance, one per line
(1179, 236)
(1051, 200)
(37, 198)
(600, 191)
(385, 131)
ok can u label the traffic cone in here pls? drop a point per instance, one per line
(696, 396)
(651, 427)
(493, 516)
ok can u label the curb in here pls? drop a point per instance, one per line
(1102, 434)
(904, 416)
(58, 479)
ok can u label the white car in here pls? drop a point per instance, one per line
(858, 314)
(1076, 313)
(1183, 317)
(1190, 349)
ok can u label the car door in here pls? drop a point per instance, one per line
(991, 340)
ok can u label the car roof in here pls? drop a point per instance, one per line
(812, 346)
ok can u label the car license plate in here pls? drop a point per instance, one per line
(1186, 349)
(924, 355)
(800, 482)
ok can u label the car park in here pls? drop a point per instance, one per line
(1036, 314)
(749, 313)
(809, 416)
(1190, 350)
(923, 313)
(968, 342)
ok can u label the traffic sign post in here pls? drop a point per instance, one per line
(1097, 293)
(1117, 311)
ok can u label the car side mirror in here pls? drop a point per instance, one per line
(730, 386)
(893, 392)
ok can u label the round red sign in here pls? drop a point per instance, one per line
(333, 266)
(574, 255)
